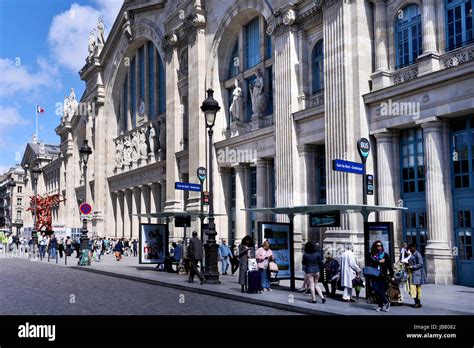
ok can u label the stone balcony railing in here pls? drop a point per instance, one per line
(240, 128)
(404, 74)
(457, 57)
(316, 99)
(140, 146)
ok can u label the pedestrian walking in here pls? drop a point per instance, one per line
(68, 246)
(43, 241)
(61, 247)
(349, 270)
(264, 255)
(195, 257)
(416, 275)
(118, 249)
(225, 255)
(53, 245)
(380, 260)
(234, 261)
(312, 265)
(244, 253)
(330, 268)
(135, 248)
(77, 245)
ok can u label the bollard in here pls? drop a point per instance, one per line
(49, 255)
(65, 259)
(56, 257)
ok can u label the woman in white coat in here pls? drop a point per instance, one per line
(349, 270)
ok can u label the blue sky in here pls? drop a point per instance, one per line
(43, 45)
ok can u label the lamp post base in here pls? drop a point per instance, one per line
(211, 272)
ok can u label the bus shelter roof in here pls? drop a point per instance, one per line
(175, 213)
(324, 208)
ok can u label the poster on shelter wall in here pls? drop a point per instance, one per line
(152, 243)
(278, 235)
(382, 231)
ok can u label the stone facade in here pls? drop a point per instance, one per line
(289, 147)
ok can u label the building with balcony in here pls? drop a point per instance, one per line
(13, 200)
(299, 83)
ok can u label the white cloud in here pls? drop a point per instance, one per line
(69, 32)
(10, 117)
(17, 77)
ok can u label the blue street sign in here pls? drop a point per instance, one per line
(186, 186)
(347, 166)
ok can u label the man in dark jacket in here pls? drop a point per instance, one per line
(195, 256)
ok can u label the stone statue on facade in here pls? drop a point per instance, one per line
(92, 45)
(100, 33)
(152, 139)
(135, 150)
(162, 138)
(127, 150)
(127, 26)
(259, 100)
(118, 153)
(69, 106)
(236, 108)
(142, 146)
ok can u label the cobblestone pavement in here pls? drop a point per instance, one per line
(39, 288)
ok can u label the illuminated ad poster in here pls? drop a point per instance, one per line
(152, 243)
(278, 235)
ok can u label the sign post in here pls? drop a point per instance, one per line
(363, 146)
(201, 173)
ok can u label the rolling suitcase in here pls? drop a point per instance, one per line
(253, 282)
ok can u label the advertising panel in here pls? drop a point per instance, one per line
(278, 235)
(153, 240)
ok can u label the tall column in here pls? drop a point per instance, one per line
(224, 203)
(197, 134)
(127, 208)
(240, 216)
(162, 196)
(119, 218)
(345, 116)
(388, 179)
(429, 60)
(381, 76)
(135, 210)
(307, 194)
(262, 187)
(144, 203)
(154, 201)
(439, 261)
(286, 102)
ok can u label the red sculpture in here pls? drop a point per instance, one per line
(43, 210)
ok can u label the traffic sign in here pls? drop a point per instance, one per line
(85, 208)
(347, 166)
(205, 198)
(363, 146)
(370, 184)
(187, 186)
(201, 174)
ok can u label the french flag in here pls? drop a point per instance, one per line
(39, 109)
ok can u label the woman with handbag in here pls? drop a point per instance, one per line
(264, 255)
(244, 254)
(312, 265)
(379, 261)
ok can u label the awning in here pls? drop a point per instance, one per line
(322, 208)
(193, 213)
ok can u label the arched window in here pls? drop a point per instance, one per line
(408, 37)
(144, 81)
(459, 23)
(318, 67)
(255, 52)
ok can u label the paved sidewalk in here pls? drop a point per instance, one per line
(436, 299)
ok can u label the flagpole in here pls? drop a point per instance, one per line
(36, 111)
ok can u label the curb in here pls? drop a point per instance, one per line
(205, 291)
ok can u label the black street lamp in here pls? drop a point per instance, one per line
(210, 107)
(11, 185)
(84, 152)
(35, 173)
